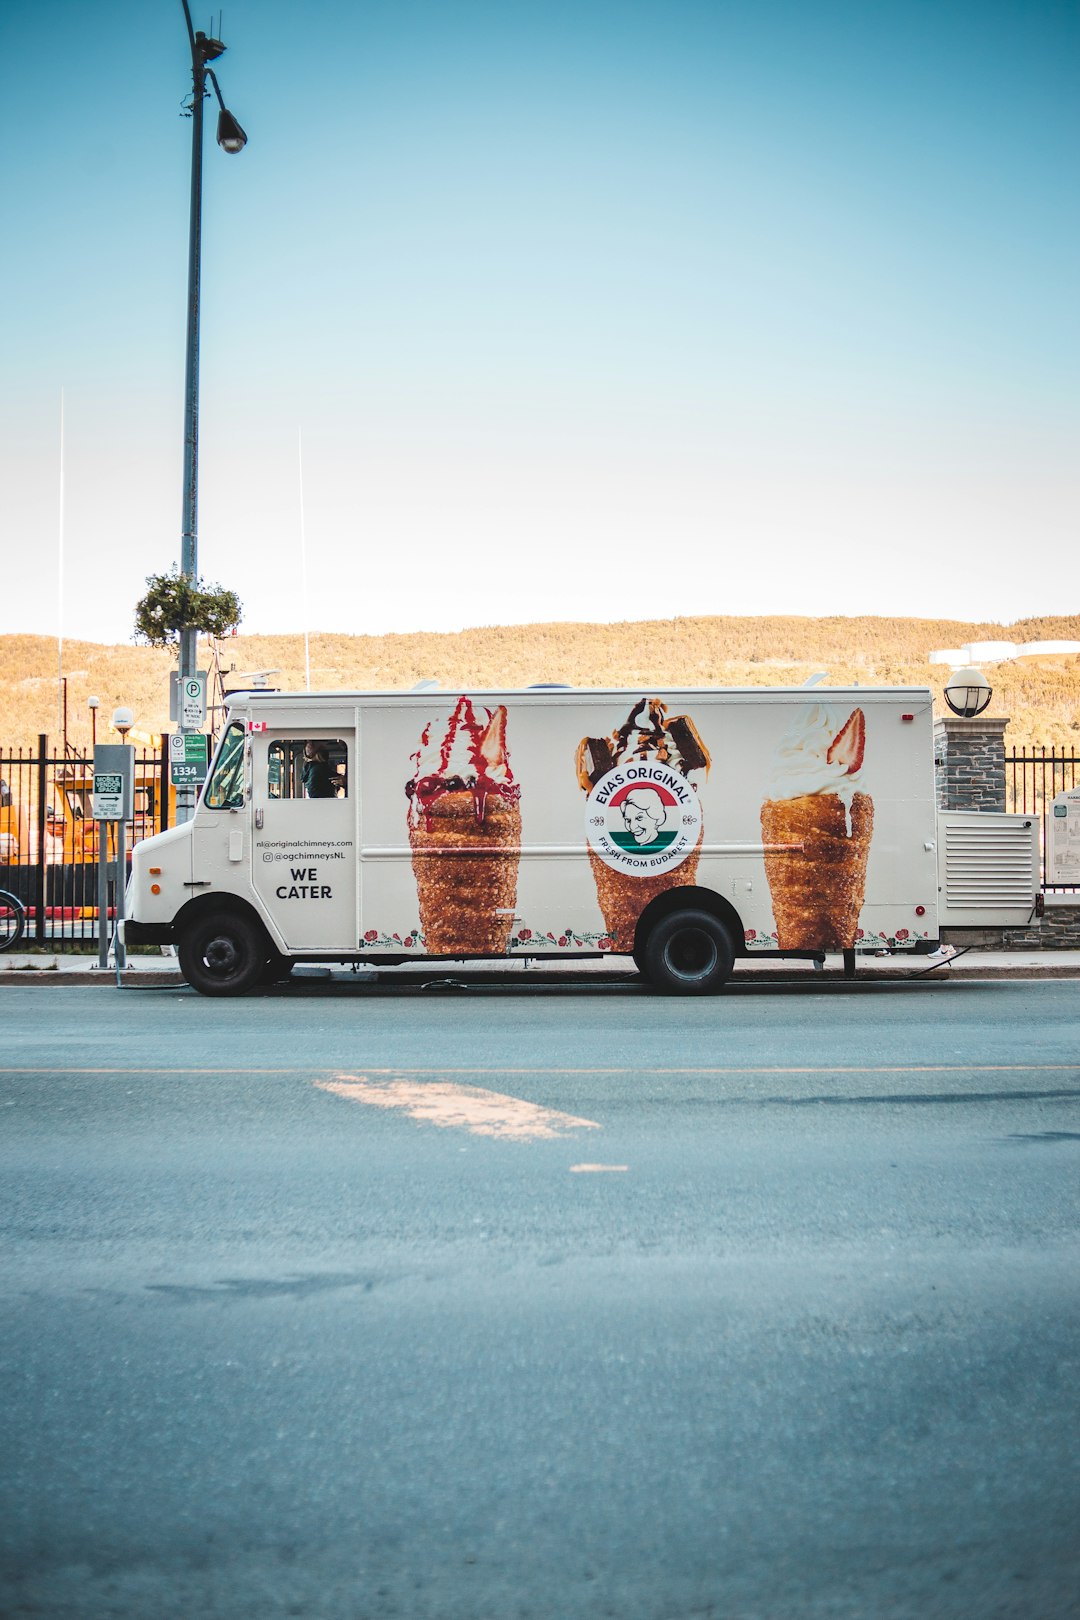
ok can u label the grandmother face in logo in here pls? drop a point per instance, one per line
(644, 814)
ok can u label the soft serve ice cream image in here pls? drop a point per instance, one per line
(465, 833)
(816, 825)
(643, 819)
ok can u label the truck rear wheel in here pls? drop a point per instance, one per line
(689, 953)
(222, 954)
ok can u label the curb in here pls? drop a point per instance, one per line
(51, 972)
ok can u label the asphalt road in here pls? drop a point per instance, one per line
(490, 1304)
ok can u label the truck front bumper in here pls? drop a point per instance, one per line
(137, 933)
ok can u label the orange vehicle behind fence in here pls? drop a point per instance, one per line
(14, 827)
(70, 811)
(49, 838)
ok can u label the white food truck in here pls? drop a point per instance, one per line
(684, 828)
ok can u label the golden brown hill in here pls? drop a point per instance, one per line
(1042, 697)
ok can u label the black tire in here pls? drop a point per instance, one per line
(689, 953)
(223, 954)
(12, 921)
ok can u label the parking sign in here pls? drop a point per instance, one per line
(187, 759)
(193, 702)
(107, 796)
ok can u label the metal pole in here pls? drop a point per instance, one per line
(189, 543)
(121, 892)
(41, 879)
(162, 806)
(103, 893)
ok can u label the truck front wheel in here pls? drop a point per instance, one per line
(688, 953)
(222, 954)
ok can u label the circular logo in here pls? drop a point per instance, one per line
(643, 819)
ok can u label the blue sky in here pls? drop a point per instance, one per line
(579, 311)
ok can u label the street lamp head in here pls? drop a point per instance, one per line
(230, 136)
(123, 720)
(209, 49)
(968, 692)
(93, 703)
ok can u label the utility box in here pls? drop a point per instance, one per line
(988, 869)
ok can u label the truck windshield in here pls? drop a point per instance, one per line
(225, 785)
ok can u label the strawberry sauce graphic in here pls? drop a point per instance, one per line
(472, 758)
(465, 834)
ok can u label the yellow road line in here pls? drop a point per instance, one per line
(443, 1069)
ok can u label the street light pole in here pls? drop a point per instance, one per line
(189, 543)
(232, 139)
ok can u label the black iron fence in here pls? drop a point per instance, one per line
(49, 838)
(1032, 781)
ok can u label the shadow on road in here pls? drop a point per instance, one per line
(309, 982)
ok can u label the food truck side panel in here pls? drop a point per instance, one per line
(558, 869)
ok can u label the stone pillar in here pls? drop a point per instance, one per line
(969, 756)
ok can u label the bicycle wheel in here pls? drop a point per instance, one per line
(12, 920)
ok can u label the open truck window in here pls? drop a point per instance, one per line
(225, 785)
(307, 768)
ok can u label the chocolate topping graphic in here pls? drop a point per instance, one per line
(646, 734)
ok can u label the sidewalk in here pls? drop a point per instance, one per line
(158, 969)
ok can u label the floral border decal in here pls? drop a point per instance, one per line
(865, 940)
(525, 940)
(567, 939)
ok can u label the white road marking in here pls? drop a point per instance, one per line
(450, 1105)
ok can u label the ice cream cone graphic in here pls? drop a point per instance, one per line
(643, 817)
(623, 898)
(465, 835)
(816, 829)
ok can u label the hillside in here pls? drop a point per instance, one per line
(1041, 696)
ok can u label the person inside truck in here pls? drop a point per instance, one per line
(317, 777)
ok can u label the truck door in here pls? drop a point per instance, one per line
(303, 852)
